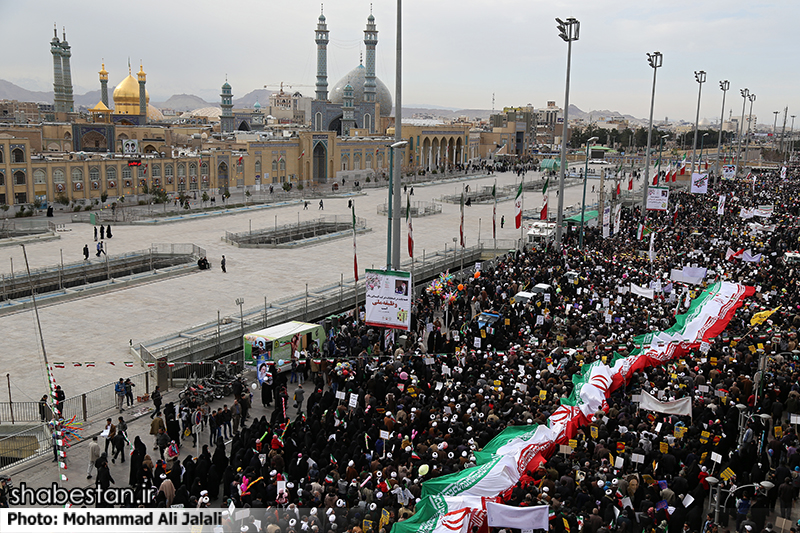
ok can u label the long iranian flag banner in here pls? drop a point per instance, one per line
(512, 451)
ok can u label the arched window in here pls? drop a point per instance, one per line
(2, 179)
(94, 174)
(357, 162)
(274, 165)
(39, 176)
(345, 161)
(126, 172)
(142, 168)
(283, 164)
(368, 122)
(18, 156)
(258, 166)
(77, 174)
(168, 170)
(58, 176)
(156, 171)
(318, 121)
(182, 170)
(193, 169)
(204, 169)
(111, 173)
(368, 161)
(19, 178)
(2, 157)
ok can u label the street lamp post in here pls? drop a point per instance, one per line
(655, 60)
(568, 30)
(240, 303)
(700, 77)
(766, 485)
(585, 176)
(774, 128)
(724, 85)
(745, 93)
(389, 236)
(660, 148)
(398, 137)
(791, 139)
(702, 142)
(752, 99)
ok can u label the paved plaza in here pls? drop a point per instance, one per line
(101, 327)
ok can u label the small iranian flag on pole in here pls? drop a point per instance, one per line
(683, 165)
(518, 206)
(543, 214)
(461, 227)
(494, 210)
(410, 229)
(630, 184)
(355, 254)
(303, 153)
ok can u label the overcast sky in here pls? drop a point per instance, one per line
(456, 53)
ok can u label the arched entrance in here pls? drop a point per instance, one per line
(222, 177)
(320, 163)
(244, 126)
(94, 141)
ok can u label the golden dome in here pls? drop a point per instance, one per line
(126, 97)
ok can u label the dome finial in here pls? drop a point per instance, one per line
(322, 9)
(370, 8)
(64, 30)
(129, 66)
(361, 57)
(55, 30)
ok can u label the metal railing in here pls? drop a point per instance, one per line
(215, 338)
(29, 443)
(418, 209)
(302, 229)
(83, 407)
(67, 275)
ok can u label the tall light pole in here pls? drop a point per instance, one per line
(398, 136)
(700, 77)
(585, 176)
(752, 99)
(774, 127)
(745, 93)
(791, 139)
(569, 31)
(702, 142)
(240, 303)
(724, 85)
(655, 60)
(390, 217)
(660, 148)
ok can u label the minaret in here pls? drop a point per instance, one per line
(69, 105)
(322, 58)
(103, 85)
(370, 41)
(142, 94)
(348, 118)
(226, 118)
(58, 80)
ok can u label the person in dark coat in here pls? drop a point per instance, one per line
(108, 231)
(139, 451)
(104, 479)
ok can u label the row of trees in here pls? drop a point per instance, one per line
(629, 139)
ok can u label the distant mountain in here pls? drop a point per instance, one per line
(89, 99)
(259, 95)
(182, 102)
(596, 115)
(10, 91)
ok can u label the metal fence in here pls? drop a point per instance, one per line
(304, 229)
(28, 443)
(418, 209)
(224, 335)
(83, 407)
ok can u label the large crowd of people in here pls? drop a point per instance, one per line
(435, 396)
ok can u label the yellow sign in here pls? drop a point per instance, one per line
(760, 346)
(573, 443)
(483, 333)
(664, 447)
(542, 394)
(727, 474)
(508, 321)
(673, 376)
(603, 359)
(778, 432)
(752, 348)
(498, 383)
(734, 344)
(512, 301)
(594, 431)
(713, 361)
(703, 457)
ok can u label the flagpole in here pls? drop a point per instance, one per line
(355, 263)
(494, 215)
(522, 210)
